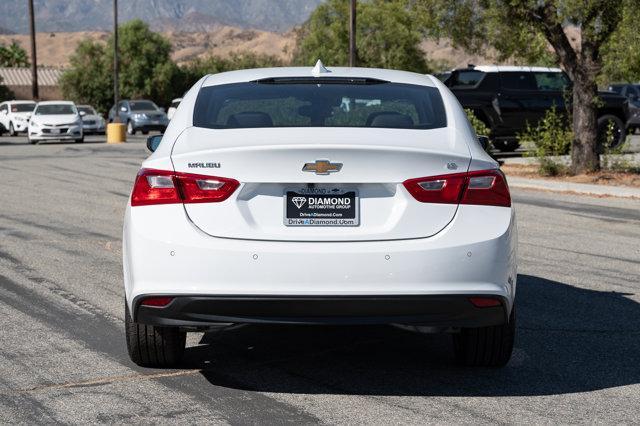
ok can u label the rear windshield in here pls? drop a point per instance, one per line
(319, 103)
(55, 109)
(142, 106)
(22, 107)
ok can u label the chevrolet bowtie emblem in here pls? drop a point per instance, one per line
(322, 167)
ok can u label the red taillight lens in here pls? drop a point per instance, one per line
(437, 189)
(484, 302)
(487, 187)
(158, 301)
(154, 187)
(165, 187)
(205, 189)
(484, 187)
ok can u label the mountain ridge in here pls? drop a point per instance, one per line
(162, 15)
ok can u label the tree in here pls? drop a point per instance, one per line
(387, 36)
(146, 69)
(526, 30)
(5, 93)
(88, 79)
(196, 69)
(13, 56)
(622, 56)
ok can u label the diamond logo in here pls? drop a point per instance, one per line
(299, 201)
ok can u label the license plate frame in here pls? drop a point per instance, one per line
(342, 213)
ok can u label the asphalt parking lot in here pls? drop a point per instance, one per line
(63, 355)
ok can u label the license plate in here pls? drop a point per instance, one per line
(55, 131)
(321, 207)
(155, 122)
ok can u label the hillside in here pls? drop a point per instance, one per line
(54, 49)
(163, 15)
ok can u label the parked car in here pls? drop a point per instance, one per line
(14, 116)
(632, 93)
(140, 115)
(92, 122)
(174, 106)
(272, 203)
(55, 120)
(507, 98)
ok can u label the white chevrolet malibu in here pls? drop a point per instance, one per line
(319, 196)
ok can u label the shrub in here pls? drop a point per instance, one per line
(550, 137)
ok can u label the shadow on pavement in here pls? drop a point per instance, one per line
(569, 340)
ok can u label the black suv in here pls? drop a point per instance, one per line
(631, 92)
(507, 98)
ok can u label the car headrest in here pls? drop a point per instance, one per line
(389, 119)
(249, 119)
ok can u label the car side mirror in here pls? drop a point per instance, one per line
(153, 142)
(123, 109)
(82, 113)
(484, 142)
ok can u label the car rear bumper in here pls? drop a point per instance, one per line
(474, 255)
(431, 310)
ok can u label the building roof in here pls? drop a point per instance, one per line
(13, 76)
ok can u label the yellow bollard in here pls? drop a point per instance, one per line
(116, 133)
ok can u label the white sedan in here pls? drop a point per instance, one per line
(55, 120)
(319, 196)
(14, 116)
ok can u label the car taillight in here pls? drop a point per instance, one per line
(158, 301)
(166, 187)
(485, 302)
(483, 187)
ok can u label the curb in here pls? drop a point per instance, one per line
(577, 188)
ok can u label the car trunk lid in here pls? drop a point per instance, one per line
(269, 163)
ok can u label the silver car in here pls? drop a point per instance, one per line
(140, 115)
(92, 122)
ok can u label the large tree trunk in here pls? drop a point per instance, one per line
(584, 151)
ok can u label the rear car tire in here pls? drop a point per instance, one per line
(619, 132)
(486, 346)
(81, 140)
(151, 346)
